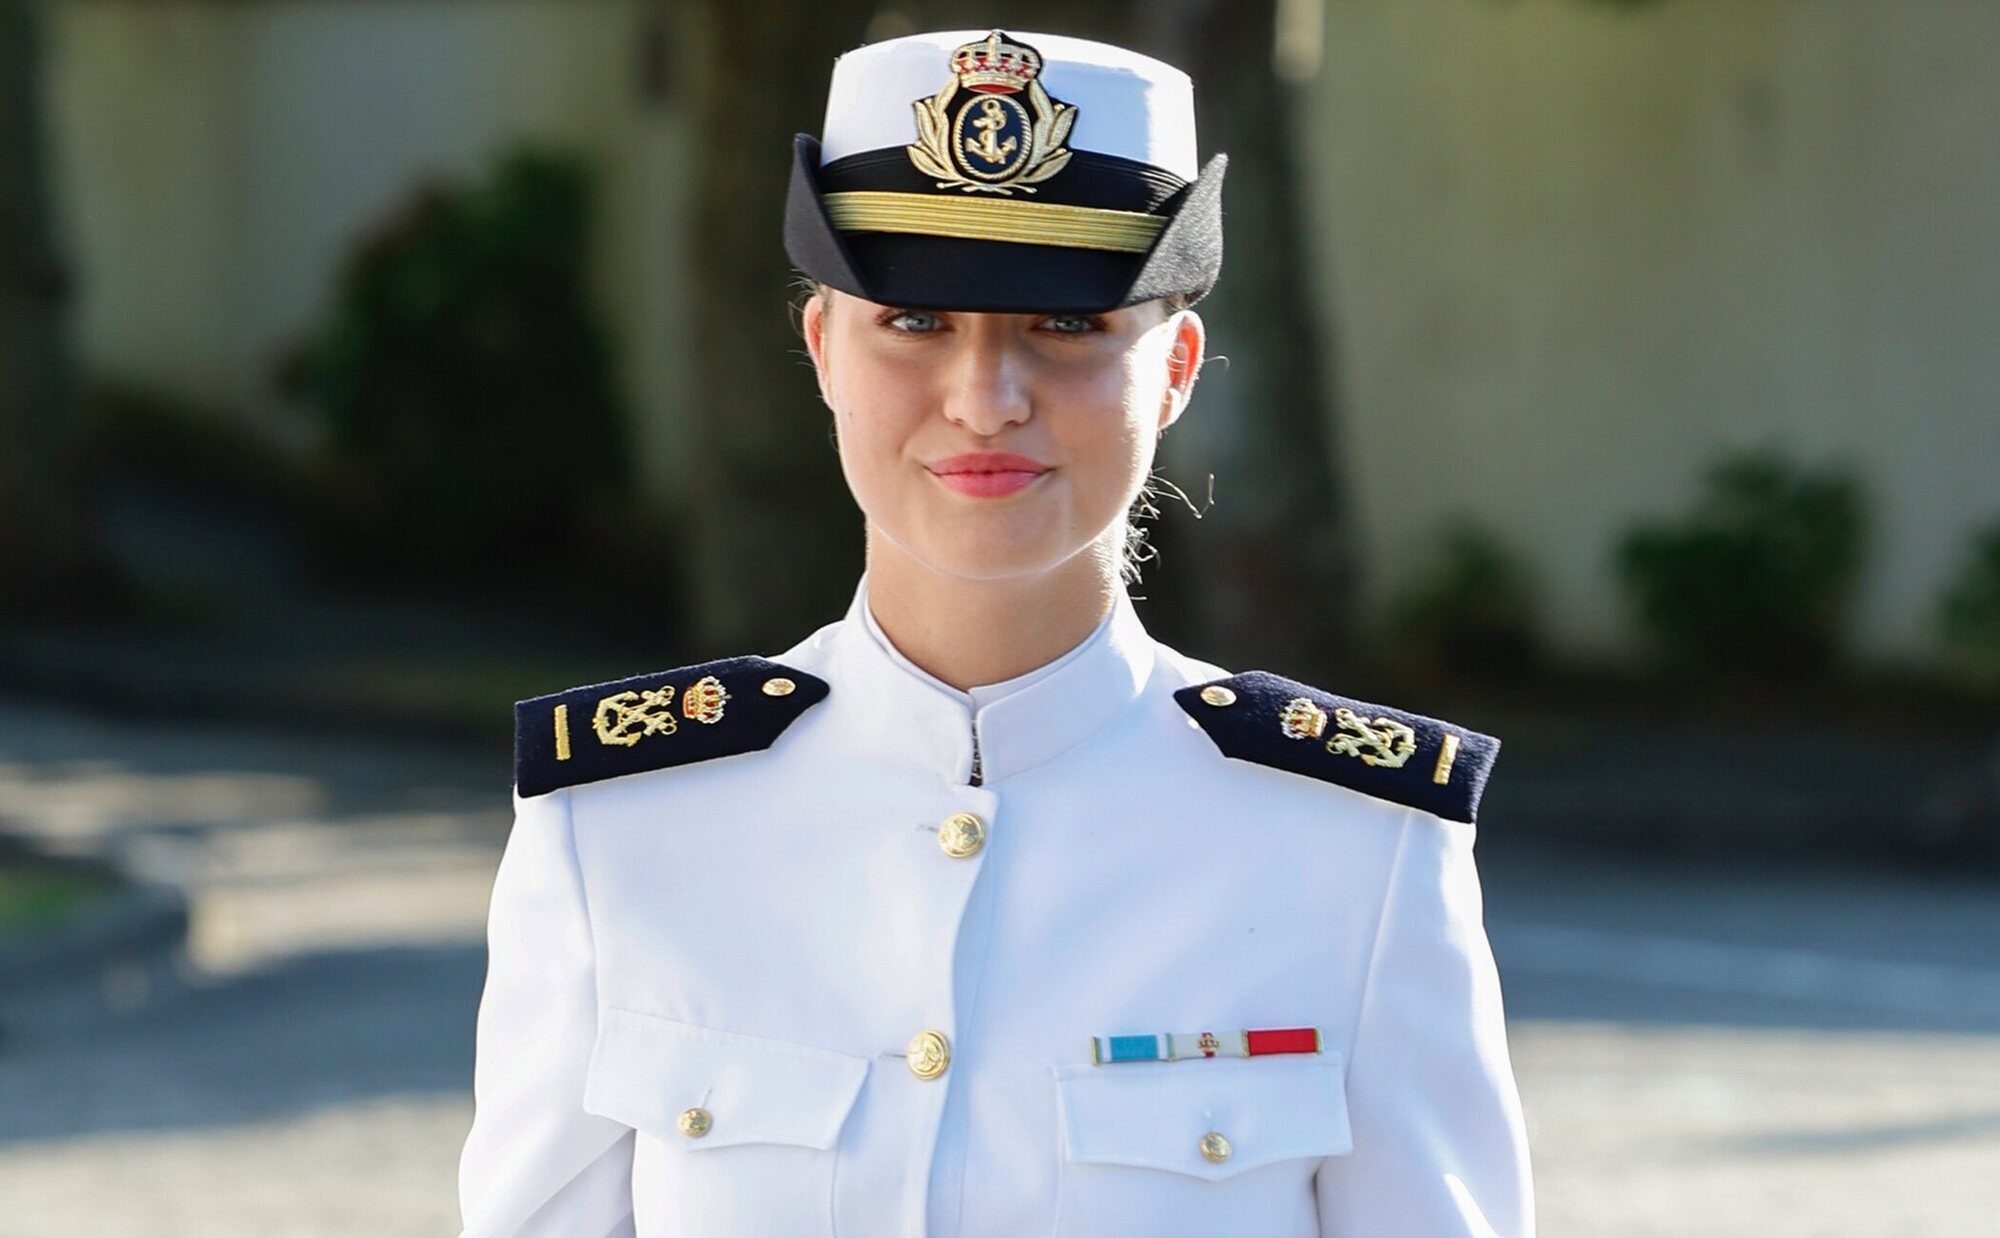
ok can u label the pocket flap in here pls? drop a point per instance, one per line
(1154, 1115)
(645, 1071)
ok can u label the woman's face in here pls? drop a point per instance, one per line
(988, 446)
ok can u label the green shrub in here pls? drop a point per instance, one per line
(143, 435)
(465, 381)
(1969, 612)
(1759, 577)
(1469, 610)
(36, 897)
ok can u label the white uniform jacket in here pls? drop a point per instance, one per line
(707, 984)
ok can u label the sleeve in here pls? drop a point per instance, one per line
(535, 1165)
(1440, 1149)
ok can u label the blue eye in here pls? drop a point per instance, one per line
(927, 321)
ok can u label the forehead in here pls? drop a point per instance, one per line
(862, 304)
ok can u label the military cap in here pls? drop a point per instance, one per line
(987, 171)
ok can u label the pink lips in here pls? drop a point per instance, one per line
(988, 474)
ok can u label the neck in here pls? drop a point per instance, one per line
(974, 632)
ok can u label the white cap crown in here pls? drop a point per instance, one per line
(1128, 105)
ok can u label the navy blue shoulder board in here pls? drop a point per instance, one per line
(1405, 758)
(649, 722)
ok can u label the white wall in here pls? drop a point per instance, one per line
(143, 104)
(1575, 252)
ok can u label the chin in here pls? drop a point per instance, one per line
(988, 563)
(990, 544)
(984, 550)
(998, 559)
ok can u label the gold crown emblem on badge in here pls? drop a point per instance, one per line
(1301, 719)
(704, 699)
(995, 65)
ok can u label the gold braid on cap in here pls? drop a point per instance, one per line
(1031, 223)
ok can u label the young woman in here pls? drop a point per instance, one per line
(979, 912)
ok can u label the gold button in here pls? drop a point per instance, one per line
(695, 1122)
(1215, 1147)
(1216, 694)
(962, 835)
(779, 686)
(929, 1054)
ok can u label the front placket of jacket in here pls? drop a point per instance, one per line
(915, 745)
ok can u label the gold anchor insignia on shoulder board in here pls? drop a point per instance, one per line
(625, 718)
(992, 143)
(1378, 741)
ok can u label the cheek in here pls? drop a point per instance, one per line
(873, 424)
(1141, 393)
(1109, 440)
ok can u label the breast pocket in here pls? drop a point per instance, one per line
(1203, 1147)
(736, 1134)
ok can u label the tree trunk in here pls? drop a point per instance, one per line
(48, 555)
(777, 540)
(1267, 576)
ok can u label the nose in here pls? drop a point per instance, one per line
(986, 384)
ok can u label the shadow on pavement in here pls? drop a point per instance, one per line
(313, 1031)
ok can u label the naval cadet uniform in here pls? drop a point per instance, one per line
(1127, 947)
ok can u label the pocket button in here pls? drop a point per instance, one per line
(1215, 1147)
(929, 1055)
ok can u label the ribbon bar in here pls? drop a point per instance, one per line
(1179, 1046)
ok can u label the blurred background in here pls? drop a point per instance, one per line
(1615, 377)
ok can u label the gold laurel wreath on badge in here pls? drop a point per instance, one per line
(937, 130)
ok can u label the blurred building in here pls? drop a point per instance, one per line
(1572, 250)
(218, 161)
(1579, 248)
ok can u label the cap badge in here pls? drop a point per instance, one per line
(977, 134)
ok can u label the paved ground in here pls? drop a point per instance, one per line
(1701, 1051)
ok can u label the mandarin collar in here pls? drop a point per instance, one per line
(903, 712)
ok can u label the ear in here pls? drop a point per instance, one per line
(812, 324)
(1184, 357)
